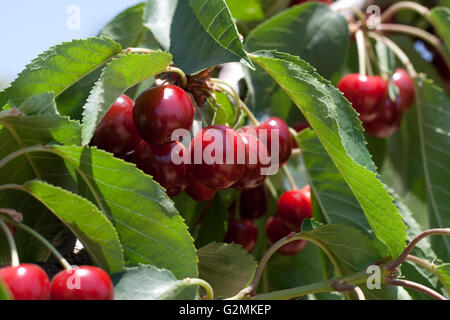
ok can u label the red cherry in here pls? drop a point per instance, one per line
(366, 93)
(26, 282)
(405, 84)
(82, 283)
(253, 203)
(217, 157)
(276, 229)
(300, 126)
(285, 141)
(116, 132)
(294, 206)
(199, 192)
(387, 122)
(167, 163)
(255, 155)
(159, 111)
(243, 232)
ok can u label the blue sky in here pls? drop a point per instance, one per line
(29, 27)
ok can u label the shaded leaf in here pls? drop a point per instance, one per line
(214, 224)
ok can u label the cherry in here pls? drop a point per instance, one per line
(300, 126)
(82, 283)
(253, 203)
(405, 84)
(285, 141)
(388, 121)
(161, 110)
(116, 132)
(243, 232)
(255, 154)
(366, 93)
(166, 163)
(26, 282)
(199, 192)
(276, 229)
(294, 206)
(217, 156)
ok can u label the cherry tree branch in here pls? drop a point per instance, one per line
(416, 286)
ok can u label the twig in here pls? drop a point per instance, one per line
(405, 5)
(430, 267)
(418, 287)
(394, 264)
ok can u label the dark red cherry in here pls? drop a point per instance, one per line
(243, 232)
(167, 163)
(256, 161)
(26, 282)
(276, 229)
(199, 192)
(253, 203)
(82, 283)
(366, 93)
(285, 141)
(387, 122)
(217, 157)
(300, 126)
(405, 84)
(159, 111)
(294, 206)
(116, 132)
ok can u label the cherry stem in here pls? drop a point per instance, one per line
(15, 262)
(359, 293)
(432, 232)
(45, 242)
(430, 267)
(360, 43)
(290, 178)
(272, 190)
(416, 286)
(205, 285)
(184, 80)
(405, 5)
(397, 51)
(428, 37)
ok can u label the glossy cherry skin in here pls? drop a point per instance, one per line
(405, 84)
(243, 232)
(82, 283)
(276, 229)
(116, 132)
(253, 203)
(199, 192)
(166, 163)
(388, 120)
(285, 141)
(217, 157)
(366, 93)
(26, 282)
(294, 206)
(255, 156)
(159, 111)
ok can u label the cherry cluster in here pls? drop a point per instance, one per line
(30, 282)
(381, 116)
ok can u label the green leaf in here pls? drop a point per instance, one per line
(5, 293)
(249, 10)
(312, 31)
(150, 229)
(127, 27)
(146, 282)
(336, 200)
(214, 225)
(440, 17)
(386, 58)
(225, 110)
(444, 271)
(123, 72)
(336, 125)
(59, 67)
(40, 104)
(434, 143)
(226, 267)
(84, 219)
(216, 40)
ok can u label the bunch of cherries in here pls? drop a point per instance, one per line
(380, 115)
(143, 132)
(30, 282)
